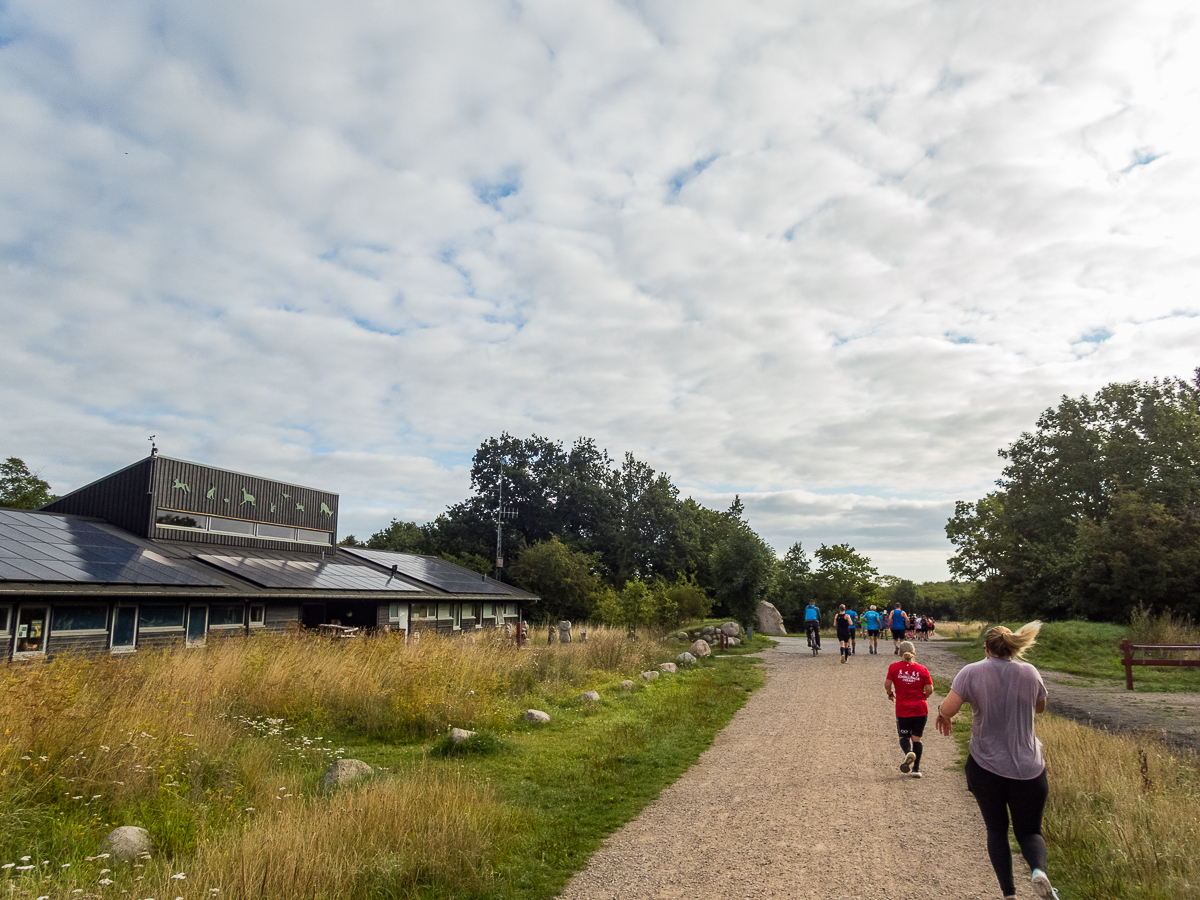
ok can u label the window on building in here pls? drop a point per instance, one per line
(276, 532)
(308, 536)
(124, 629)
(162, 617)
(230, 526)
(443, 611)
(226, 615)
(258, 615)
(92, 617)
(31, 629)
(5, 619)
(171, 519)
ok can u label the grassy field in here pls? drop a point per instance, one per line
(1091, 651)
(1123, 817)
(219, 754)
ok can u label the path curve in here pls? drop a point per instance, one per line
(800, 796)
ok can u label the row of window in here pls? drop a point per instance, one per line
(189, 521)
(30, 624)
(455, 611)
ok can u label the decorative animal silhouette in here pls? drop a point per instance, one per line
(287, 496)
(300, 506)
(247, 498)
(325, 509)
(272, 507)
(178, 485)
(212, 493)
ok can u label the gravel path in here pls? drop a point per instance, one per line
(800, 796)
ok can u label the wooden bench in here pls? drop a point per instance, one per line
(1129, 649)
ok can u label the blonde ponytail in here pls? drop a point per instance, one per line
(907, 651)
(1005, 644)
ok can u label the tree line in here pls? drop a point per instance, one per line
(608, 540)
(1097, 510)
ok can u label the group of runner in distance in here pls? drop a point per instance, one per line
(904, 626)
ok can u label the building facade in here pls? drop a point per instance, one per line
(167, 552)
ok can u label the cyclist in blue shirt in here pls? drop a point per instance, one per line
(853, 630)
(812, 624)
(899, 623)
(872, 620)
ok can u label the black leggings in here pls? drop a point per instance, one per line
(996, 795)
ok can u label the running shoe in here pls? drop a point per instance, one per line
(1041, 886)
(917, 775)
(907, 765)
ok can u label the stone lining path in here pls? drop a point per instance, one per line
(801, 797)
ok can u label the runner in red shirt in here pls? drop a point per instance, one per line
(908, 684)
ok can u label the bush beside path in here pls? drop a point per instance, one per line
(800, 796)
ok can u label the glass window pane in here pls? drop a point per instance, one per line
(5, 618)
(230, 526)
(162, 616)
(276, 532)
(313, 537)
(226, 614)
(443, 611)
(80, 618)
(257, 615)
(181, 520)
(31, 630)
(197, 623)
(124, 627)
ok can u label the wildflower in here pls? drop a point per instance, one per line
(96, 796)
(26, 757)
(248, 809)
(24, 868)
(7, 865)
(105, 871)
(102, 747)
(25, 859)
(77, 797)
(105, 880)
(44, 897)
(65, 866)
(43, 758)
(178, 877)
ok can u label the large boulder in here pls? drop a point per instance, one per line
(683, 636)
(769, 619)
(669, 668)
(649, 676)
(732, 629)
(590, 697)
(536, 716)
(344, 770)
(127, 842)
(700, 648)
(685, 658)
(458, 735)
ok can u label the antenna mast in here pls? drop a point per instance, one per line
(501, 515)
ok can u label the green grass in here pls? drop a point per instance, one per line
(569, 783)
(1090, 650)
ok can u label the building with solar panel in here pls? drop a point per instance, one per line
(167, 551)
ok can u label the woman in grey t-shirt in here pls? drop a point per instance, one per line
(1005, 768)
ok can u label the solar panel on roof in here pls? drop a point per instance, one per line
(438, 572)
(35, 547)
(294, 573)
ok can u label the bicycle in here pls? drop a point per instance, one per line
(814, 637)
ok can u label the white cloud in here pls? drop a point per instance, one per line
(789, 249)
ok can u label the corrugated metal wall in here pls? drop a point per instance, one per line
(123, 498)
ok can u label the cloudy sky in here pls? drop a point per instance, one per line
(829, 256)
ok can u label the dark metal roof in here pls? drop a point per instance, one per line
(437, 572)
(42, 547)
(308, 573)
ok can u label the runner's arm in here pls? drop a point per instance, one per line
(949, 707)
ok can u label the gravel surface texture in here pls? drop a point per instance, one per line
(801, 796)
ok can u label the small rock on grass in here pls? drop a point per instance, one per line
(127, 842)
(345, 770)
(649, 676)
(685, 659)
(700, 648)
(458, 735)
(627, 685)
(590, 696)
(669, 668)
(732, 629)
(536, 716)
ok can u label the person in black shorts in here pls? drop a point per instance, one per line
(843, 623)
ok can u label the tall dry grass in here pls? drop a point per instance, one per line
(1164, 628)
(199, 739)
(1123, 819)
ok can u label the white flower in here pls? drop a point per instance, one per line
(7, 865)
(248, 809)
(105, 880)
(65, 866)
(25, 859)
(178, 877)
(105, 871)
(24, 868)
